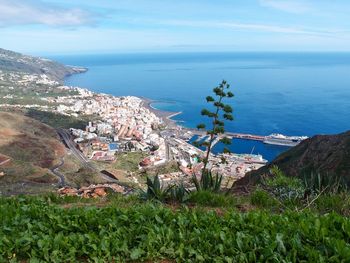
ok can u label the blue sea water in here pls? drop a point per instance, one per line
(288, 93)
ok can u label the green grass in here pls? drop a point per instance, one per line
(339, 203)
(208, 198)
(262, 199)
(83, 177)
(39, 229)
(129, 161)
(169, 167)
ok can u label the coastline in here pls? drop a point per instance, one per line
(146, 102)
(165, 115)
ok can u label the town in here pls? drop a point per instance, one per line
(117, 125)
(129, 124)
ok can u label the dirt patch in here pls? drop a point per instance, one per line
(6, 132)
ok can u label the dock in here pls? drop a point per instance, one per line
(173, 115)
(244, 136)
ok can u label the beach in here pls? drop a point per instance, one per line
(164, 115)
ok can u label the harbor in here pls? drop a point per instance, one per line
(274, 139)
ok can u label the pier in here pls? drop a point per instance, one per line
(244, 136)
(216, 140)
(173, 115)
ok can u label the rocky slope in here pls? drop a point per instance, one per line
(325, 154)
(16, 62)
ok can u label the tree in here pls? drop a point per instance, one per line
(218, 115)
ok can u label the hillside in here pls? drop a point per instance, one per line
(32, 148)
(16, 62)
(27, 80)
(324, 154)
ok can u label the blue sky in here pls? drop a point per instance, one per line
(103, 26)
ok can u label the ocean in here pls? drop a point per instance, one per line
(289, 93)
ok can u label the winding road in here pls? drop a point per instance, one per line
(55, 171)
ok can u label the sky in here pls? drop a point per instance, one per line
(41, 27)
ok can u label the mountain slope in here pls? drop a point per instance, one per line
(32, 147)
(13, 61)
(325, 154)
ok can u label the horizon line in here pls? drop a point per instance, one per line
(111, 52)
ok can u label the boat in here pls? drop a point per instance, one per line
(280, 139)
(245, 158)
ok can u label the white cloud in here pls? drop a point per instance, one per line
(24, 12)
(291, 6)
(252, 27)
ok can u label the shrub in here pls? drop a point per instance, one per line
(279, 179)
(289, 190)
(263, 199)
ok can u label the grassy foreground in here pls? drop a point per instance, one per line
(52, 229)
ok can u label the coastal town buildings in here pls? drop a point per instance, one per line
(129, 124)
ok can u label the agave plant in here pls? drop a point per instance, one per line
(155, 190)
(178, 193)
(284, 188)
(208, 181)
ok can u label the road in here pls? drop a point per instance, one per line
(71, 145)
(55, 171)
(66, 137)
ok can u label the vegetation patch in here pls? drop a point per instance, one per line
(208, 198)
(58, 120)
(39, 230)
(83, 177)
(129, 161)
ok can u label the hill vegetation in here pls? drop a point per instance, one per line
(27, 80)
